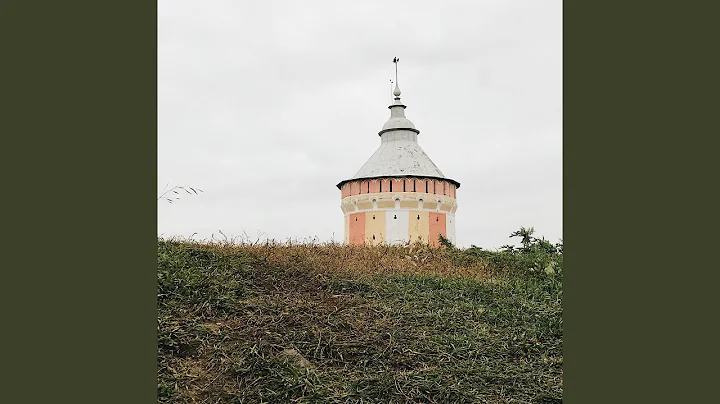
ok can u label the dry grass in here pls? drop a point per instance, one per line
(276, 323)
(416, 259)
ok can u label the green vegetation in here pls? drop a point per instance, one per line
(276, 323)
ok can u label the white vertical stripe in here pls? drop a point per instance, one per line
(450, 223)
(396, 224)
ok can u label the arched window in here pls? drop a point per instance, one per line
(391, 181)
(427, 191)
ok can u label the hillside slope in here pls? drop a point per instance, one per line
(242, 324)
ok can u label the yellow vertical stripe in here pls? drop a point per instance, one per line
(418, 228)
(375, 226)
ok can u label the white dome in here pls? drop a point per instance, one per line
(398, 123)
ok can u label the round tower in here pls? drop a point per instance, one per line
(399, 195)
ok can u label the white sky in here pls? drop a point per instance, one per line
(267, 105)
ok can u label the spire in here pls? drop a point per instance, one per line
(399, 154)
(396, 93)
(397, 120)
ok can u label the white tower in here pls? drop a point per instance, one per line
(399, 195)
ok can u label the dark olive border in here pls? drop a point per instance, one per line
(79, 153)
(79, 157)
(636, 119)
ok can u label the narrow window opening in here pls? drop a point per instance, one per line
(437, 219)
(356, 219)
(373, 217)
(418, 217)
(404, 181)
(380, 186)
(395, 217)
(426, 188)
(391, 181)
(368, 187)
(414, 185)
(373, 237)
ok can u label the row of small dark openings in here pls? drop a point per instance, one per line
(395, 217)
(437, 219)
(414, 184)
(404, 186)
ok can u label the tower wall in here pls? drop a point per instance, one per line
(418, 229)
(357, 228)
(437, 227)
(375, 228)
(346, 238)
(397, 216)
(397, 226)
(450, 226)
(435, 187)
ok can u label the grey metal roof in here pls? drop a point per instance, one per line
(399, 154)
(399, 157)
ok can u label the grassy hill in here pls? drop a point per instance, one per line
(335, 324)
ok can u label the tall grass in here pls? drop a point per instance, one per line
(250, 321)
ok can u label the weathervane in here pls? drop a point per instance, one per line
(396, 93)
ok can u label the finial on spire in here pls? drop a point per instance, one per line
(397, 88)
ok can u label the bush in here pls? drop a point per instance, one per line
(536, 255)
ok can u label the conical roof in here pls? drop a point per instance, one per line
(399, 154)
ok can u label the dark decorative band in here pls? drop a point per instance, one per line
(391, 129)
(420, 177)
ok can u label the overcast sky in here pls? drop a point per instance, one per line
(267, 105)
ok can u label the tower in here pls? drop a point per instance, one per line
(399, 195)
